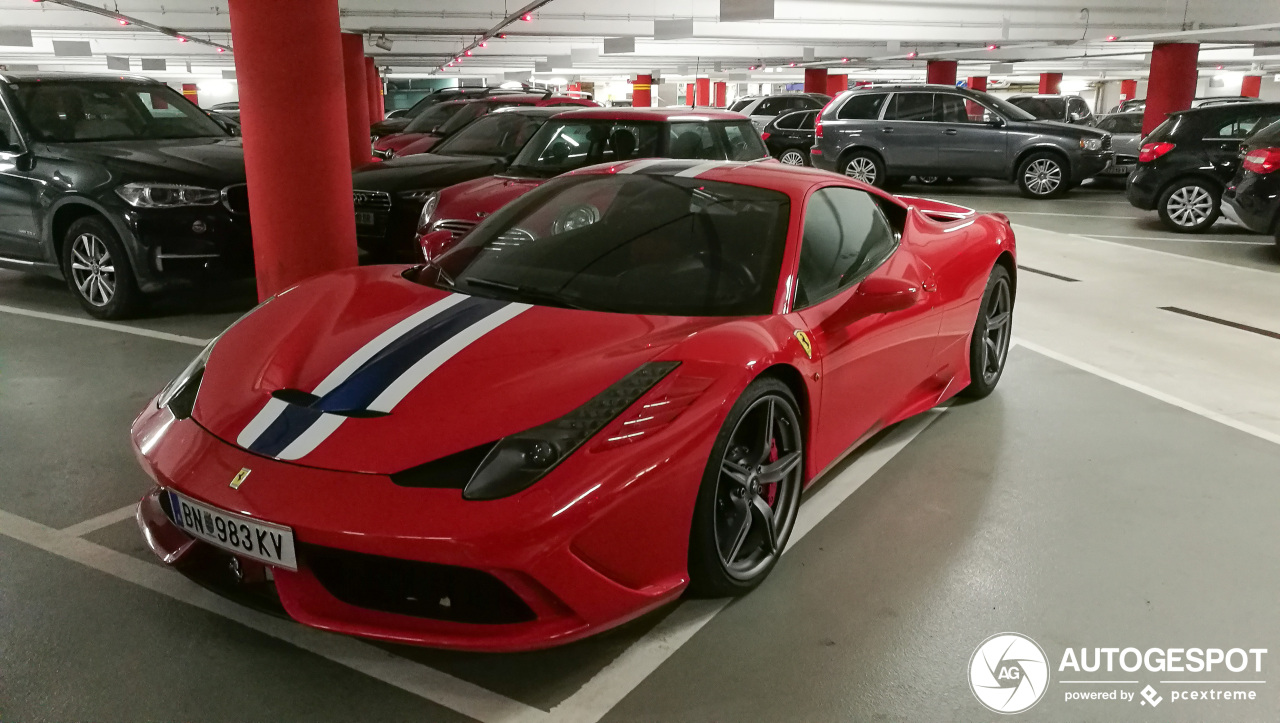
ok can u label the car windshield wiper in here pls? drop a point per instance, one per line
(525, 291)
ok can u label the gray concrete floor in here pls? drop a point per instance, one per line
(1067, 507)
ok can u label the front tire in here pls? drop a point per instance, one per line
(1042, 175)
(992, 335)
(865, 166)
(750, 494)
(793, 157)
(97, 270)
(1189, 206)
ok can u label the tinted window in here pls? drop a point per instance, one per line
(790, 121)
(741, 140)
(65, 112)
(956, 109)
(561, 146)
(740, 104)
(846, 236)
(1166, 130)
(1125, 123)
(862, 107)
(911, 107)
(1267, 136)
(497, 134)
(629, 243)
(771, 106)
(693, 140)
(1043, 108)
(807, 119)
(8, 132)
(433, 117)
(1240, 127)
(468, 113)
(1078, 106)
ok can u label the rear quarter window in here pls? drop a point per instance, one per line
(862, 107)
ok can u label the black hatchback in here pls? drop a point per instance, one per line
(1186, 162)
(789, 137)
(1252, 199)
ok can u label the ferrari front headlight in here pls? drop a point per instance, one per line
(180, 394)
(167, 195)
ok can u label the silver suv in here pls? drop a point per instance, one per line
(886, 134)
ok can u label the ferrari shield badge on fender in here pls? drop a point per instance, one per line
(240, 477)
(803, 338)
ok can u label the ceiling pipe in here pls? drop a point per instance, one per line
(1202, 31)
(182, 37)
(521, 14)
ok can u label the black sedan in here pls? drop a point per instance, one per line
(789, 137)
(1252, 199)
(390, 196)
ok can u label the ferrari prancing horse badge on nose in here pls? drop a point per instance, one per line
(240, 478)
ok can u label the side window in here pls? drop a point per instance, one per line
(1078, 106)
(846, 236)
(862, 107)
(1237, 128)
(807, 123)
(741, 140)
(769, 106)
(911, 107)
(955, 109)
(8, 132)
(693, 140)
(787, 122)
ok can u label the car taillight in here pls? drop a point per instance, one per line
(764, 136)
(817, 128)
(1263, 160)
(1152, 151)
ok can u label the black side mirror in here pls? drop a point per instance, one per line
(14, 158)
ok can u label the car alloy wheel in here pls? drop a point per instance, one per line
(1190, 206)
(792, 158)
(997, 330)
(92, 269)
(861, 168)
(1043, 176)
(757, 493)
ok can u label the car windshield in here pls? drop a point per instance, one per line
(433, 117)
(497, 134)
(561, 146)
(1006, 109)
(1122, 123)
(1043, 108)
(468, 113)
(628, 243)
(70, 111)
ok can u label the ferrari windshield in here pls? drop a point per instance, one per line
(629, 243)
(61, 111)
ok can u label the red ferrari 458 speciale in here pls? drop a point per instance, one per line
(613, 390)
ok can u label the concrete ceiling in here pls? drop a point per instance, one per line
(875, 36)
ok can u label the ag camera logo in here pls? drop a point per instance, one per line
(1008, 673)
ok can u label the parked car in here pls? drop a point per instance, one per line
(427, 122)
(885, 134)
(1053, 107)
(442, 95)
(230, 110)
(615, 391)
(579, 138)
(120, 186)
(224, 121)
(763, 108)
(790, 136)
(1185, 163)
(1126, 140)
(1252, 198)
(407, 144)
(389, 196)
(1137, 104)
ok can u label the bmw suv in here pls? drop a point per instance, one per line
(885, 134)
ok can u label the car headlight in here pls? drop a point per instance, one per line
(1091, 144)
(429, 203)
(576, 217)
(180, 394)
(517, 461)
(167, 195)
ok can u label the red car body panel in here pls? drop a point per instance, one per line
(407, 144)
(604, 536)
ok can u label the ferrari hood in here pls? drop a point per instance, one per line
(366, 371)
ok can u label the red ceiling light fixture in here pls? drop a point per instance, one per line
(502, 36)
(992, 46)
(122, 21)
(793, 65)
(482, 44)
(466, 53)
(527, 17)
(912, 55)
(181, 39)
(1112, 38)
(844, 60)
(222, 50)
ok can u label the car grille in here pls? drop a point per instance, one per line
(1106, 142)
(372, 200)
(1126, 160)
(236, 199)
(385, 154)
(458, 227)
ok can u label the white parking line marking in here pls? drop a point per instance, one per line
(80, 529)
(1101, 240)
(166, 336)
(1072, 215)
(440, 688)
(1184, 239)
(604, 691)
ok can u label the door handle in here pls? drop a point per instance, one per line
(886, 130)
(950, 132)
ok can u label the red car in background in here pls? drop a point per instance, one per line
(614, 390)
(423, 134)
(581, 138)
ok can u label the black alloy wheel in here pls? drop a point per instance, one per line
(750, 494)
(992, 335)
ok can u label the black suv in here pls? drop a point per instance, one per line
(1252, 199)
(1188, 159)
(119, 185)
(398, 123)
(883, 135)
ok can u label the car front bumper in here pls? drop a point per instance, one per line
(183, 246)
(1087, 165)
(579, 567)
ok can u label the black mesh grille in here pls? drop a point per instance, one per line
(420, 589)
(452, 472)
(1106, 143)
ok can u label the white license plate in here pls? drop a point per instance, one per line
(272, 544)
(364, 218)
(1128, 168)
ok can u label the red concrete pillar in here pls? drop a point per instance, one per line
(704, 91)
(941, 72)
(1172, 83)
(642, 91)
(1128, 89)
(689, 94)
(354, 80)
(722, 91)
(815, 80)
(1050, 83)
(1250, 85)
(192, 93)
(977, 82)
(836, 84)
(299, 173)
(373, 84)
